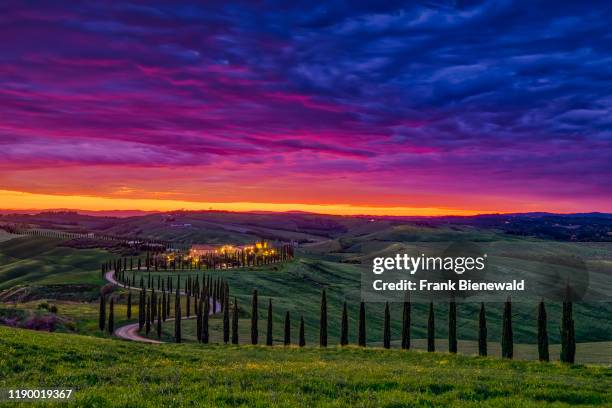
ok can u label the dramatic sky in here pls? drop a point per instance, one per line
(427, 108)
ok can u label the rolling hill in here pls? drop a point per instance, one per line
(113, 373)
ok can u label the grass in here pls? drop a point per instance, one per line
(111, 373)
(599, 353)
(43, 261)
(73, 317)
(293, 287)
(296, 287)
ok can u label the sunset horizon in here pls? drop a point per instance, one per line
(389, 109)
(23, 201)
(318, 204)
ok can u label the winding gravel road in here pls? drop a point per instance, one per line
(130, 331)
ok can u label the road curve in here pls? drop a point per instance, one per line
(131, 331)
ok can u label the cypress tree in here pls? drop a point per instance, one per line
(323, 321)
(102, 314)
(235, 323)
(287, 341)
(226, 293)
(254, 317)
(568, 335)
(111, 316)
(148, 316)
(302, 341)
(387, 328)
(482, 331)
(199, 321)
(362, 325)
(164, 306)
(452, 326)
(269, 341)
(431, 329)
(141, 309)
(344, 326)
(159, 320)
(153, 306)
(129, 305)
(188, 305)
(406, 322)
(222, 295)
(214, 302)
(205, 314)
(226, 322)
(177, 316)
(507, 342)
(542, 333)
(168, 303)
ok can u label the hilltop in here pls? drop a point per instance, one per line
(236, 227)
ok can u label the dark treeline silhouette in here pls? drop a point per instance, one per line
(137, 243)
(507, 344)
(269, 337)
(568, 334)
(225, 257)
(542, 333)
(259, 254)
(482, 331)
(153, 311)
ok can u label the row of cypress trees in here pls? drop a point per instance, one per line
(568, 343)
(102, 322)
(212, 260)
(152, 307)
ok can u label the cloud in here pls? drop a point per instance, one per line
(491, 97)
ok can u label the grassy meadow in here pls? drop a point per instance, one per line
(296, 287)
(39, 261)
(43, 266)
(39, 274)
(107, 372)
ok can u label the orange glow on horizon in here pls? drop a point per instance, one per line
(16, 200)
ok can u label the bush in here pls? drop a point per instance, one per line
(53, 309)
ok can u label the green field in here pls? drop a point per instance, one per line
(113, 373)
(35, 272)
(44, 261)
(41, 268)
(296, 287)
(599, 353)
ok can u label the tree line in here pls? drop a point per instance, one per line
(215, 292)
(162, 261)
(132, 242)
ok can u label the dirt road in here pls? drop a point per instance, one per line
(130, 331)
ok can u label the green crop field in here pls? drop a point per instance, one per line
(42, 262)
(114, 373)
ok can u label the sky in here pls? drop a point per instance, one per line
(405, 108)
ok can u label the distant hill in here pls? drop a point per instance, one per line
(108, 213)
(224, 226)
